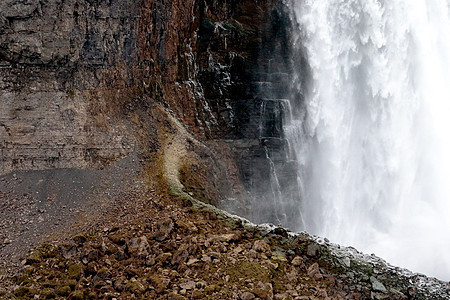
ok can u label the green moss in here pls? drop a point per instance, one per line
(279, 256)
(23, 291)
(135, 287)
(197, 294)
(77, 295)
(92, 295)
(75, 271)
(49, 284)
(71, 283)
(279, 285)
(249, 269)
(63, 290)
(363, 266)
(49, 250)
(29, 270)
(48, 293)
(79, 238)
(212, 288)
(35, 257)
(27, 281)
(20, 279)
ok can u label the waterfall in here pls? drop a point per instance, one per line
(372, 134)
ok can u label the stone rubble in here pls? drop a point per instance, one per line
(195, 252)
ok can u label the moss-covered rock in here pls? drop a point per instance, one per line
(63, 290)
(48, 293)
(72, 283)
(79, 238)
(135, 286)
(29, 270)
(24, 291)
(75, 271)
(197, 294)
(249, 269)
(77, 295)
(160, 283)
(212, 288)
(35, 257)
(92, 296)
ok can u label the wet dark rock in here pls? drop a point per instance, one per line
(93, 255)
(280, 231)
(104, 273)
(117, 239)
(92, 268)
(79, 239)
(120, 254)
(312, 250)
(119, 284)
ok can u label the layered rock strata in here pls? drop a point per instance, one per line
(79, 80)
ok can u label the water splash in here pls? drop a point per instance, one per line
(374, 143)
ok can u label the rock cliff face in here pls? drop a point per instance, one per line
(79, 81)
(77, 78)
(64, 71)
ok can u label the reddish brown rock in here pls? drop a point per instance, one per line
(261, 246)
(314, 272)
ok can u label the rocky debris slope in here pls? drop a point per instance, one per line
(178, 248)
(37, 204)
(64, 65)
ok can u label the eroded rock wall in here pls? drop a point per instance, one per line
(201, 57)
(70, 71)
(79, 81)
(64, 73)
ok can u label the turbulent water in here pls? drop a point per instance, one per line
(373, 142)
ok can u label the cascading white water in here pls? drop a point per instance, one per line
(374, 144)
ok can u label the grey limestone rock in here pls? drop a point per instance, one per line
(377, 285)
